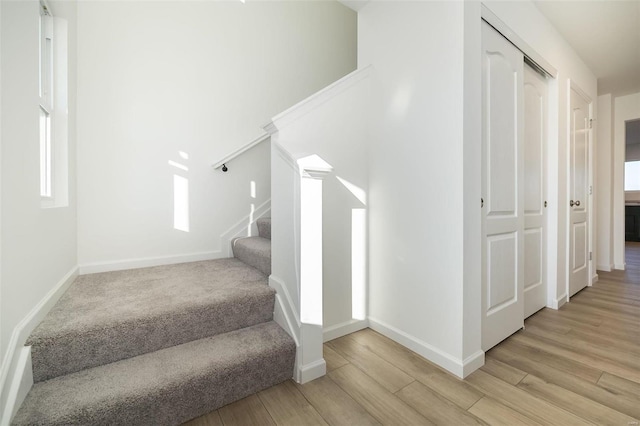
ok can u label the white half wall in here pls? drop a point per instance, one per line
(168, 88)
(604, 185)
(332, 125)
(625, 108)
(38, 245)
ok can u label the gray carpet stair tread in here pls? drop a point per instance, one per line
(254, 251)
(166, 387)
(111, 316)
(264, 227)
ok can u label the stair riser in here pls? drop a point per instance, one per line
(71, 353)
(264, 228)
(166, 387)
(255, 252)
(193, 398)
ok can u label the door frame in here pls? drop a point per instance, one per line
(572, 85)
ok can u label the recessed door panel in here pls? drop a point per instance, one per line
(501, 151)
(502, 254)
(533, 260)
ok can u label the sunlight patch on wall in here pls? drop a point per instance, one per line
(358, 263)
(178, 166)
(180, 195)
(311, 251)
(357, 192)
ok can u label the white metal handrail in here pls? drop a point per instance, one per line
(263, 137)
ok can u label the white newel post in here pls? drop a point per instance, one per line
(311, 364)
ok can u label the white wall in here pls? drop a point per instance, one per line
(603, 184)
(38, 245)
(416, 174)
(157, 78)
(425, 167)
(625, 108)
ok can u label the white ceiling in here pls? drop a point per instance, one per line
(606, 35)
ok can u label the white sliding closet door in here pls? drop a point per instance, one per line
(535, 229)
(502, 188)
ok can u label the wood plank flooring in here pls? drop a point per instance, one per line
(579, 365)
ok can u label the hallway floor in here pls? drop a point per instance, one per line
(577, 365)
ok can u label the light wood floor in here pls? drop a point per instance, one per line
(578, 365)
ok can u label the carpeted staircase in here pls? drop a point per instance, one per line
(161, 345)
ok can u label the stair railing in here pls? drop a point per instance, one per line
(222, 164)
(296, 250)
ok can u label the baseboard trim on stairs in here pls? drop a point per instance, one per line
(458, 367)
(246, 227)
(19, 386)
(284, 314)
(120, 265)
(15, 379)
(344, 328)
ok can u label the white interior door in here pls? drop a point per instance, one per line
(502, 188)
(535, 235)
(578, 194)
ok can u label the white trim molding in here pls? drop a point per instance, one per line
(284, 312)
(309, 104)
(146, 262)
(311, 371)
(605, 268)
(14, 374)
(458, 367)
(244, 148)
(558, 302)
(492, 19)
(620, 267)
(344, 328)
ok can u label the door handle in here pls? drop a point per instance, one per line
(578, 203)
(571, 203)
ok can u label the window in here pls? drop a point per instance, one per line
(53, 110)
(46, 102)
(632, 176)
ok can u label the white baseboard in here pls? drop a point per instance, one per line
(620, 267)
(458, 367)
(594, 279)
(605, 268)
(120, 265)
(472, 363)
(557, 303)
(284, 314)
(14, 380)
(246, 227)
(311, 371)
(19, 386)
(342, 329)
